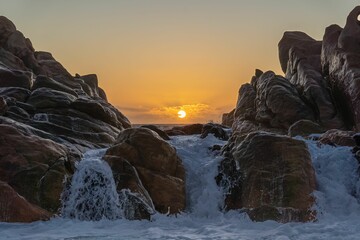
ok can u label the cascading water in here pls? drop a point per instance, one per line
(92, 194)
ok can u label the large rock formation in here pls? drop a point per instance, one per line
(48, 118)
(269, 176)
(319, 93)
(149, 167)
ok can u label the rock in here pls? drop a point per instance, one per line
(278, 103)
(341, 61)
(6, 29)
(228, 118)
(18, 113)
(161, 133)
(304, 128)
(49, 98)
(304, 71)
(15, 78)
(42, 81)
(270, 177)
(160, 169)
(15, 208)
(338, 137)
(3, 106)
(190, 129)
(216, 129)
(172, 132)
(33, 166)
(102, 94)
(245, 106)
(20, 94)
(10, 61)
(90, 83)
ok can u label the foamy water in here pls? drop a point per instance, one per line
(337, 203)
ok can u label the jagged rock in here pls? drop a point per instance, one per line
(33, 166)
(3, 106)
(6, 29)
(160, 169)
(42, 81)
(304, 128)
(270, 177)
(15, 78)
(102, 94)
(341, 63)
(303, 69)
(90, 84)
(48, 98)
(15, 208)
(20, 94)
(216, 129)
(278, 103)
(338, 137)
(228, 118)
(190, 129)
(161, 133)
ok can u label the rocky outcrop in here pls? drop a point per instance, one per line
(216, 129)
(228, 118)
(14, 208)
(269, 176)
(152, 170)
(304, 128)
(161, 133)
(48, 118)
(190, 129)
(337, 137)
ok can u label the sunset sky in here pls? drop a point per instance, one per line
(155, 57)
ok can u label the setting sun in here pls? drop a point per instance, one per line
(181, 114)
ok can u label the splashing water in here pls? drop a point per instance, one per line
(92, 194)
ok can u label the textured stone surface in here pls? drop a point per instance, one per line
(270, 177)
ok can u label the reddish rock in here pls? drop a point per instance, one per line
(269, 176)
(160, 169)
(15, 208)
(33, 166)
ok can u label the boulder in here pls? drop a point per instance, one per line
(190, 129)
(160, 169)
(20, 94)
(49, 98)
(216, 129)
(6, 29)
(278, 103)
(33, 166)
(304, 128)
(161, 133)
(15, 208)
(42, 81)
(15, 78)
(338, 137)
(268, 176)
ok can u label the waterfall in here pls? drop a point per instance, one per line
(92, 193)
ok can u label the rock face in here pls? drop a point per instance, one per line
(14, 208)
(152, 170)
(269, 176)
(48, 118)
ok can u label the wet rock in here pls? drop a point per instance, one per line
(42, 81)
(15, 208)
(172, 132)
(33, 166)
(3, 106)
(338, 137)
(270, 177)
(304, 128)
(216, 129)
(190, 129)
(161, 133)
(160, 169)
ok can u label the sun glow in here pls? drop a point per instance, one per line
(181, 114)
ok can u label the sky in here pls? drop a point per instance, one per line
(155, 57)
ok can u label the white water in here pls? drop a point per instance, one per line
(337, 204)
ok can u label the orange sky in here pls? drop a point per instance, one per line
(154, 57)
